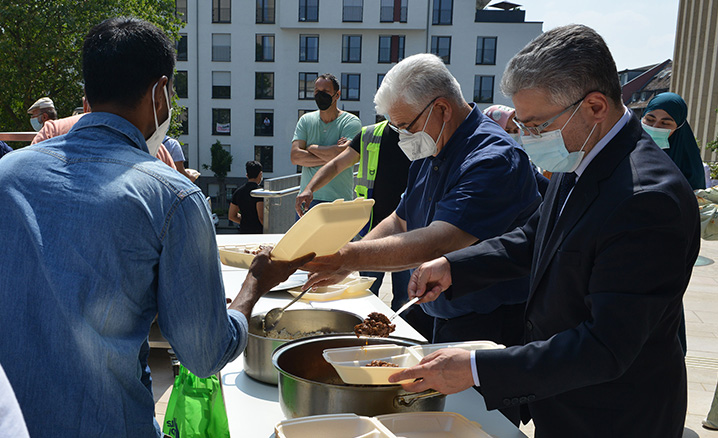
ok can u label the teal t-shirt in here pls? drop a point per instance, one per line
(313, 130)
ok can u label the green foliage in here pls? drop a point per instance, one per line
(221, 161)
(714, 168)
(41, 46)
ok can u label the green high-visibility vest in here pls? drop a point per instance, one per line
(369, 161)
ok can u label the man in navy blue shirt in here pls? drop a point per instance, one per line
(468, 182)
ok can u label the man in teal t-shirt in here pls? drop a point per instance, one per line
(317, 139)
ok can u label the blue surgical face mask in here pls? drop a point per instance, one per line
(36, 123)
(516, 137)
(659, 135)
(549, 151)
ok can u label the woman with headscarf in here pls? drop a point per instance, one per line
(665, 120)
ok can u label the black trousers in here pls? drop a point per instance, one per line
(504, 325)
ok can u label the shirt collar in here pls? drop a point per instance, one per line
(115, 123)
(603, 142)
(463, 132)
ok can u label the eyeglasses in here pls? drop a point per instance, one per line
(535, 131)
(406, 131)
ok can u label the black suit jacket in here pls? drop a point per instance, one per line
(602, 357)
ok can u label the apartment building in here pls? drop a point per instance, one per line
(246, 69)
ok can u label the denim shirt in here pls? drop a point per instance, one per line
(98, 237)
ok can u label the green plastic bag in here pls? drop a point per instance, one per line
(196, 408)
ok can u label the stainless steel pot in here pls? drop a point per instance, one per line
(258, 354)
(308, 385)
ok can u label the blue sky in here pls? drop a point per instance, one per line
(638, 32)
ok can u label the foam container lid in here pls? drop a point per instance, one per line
(323, 230)
(403, 425)
(332, 425)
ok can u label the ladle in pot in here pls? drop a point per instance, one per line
(273, 316)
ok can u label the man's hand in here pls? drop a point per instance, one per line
(304, 199)
(264, 274)
(326, 270)
(430, 279)
(447, 371)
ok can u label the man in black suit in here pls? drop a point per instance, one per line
(608, 265)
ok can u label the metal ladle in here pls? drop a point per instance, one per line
(273, 316)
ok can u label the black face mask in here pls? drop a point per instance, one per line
(323, 100)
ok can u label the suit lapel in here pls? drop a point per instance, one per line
(552, 232)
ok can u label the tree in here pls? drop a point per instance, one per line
(221, 164)
(41, 46)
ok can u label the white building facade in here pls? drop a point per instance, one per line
(246, 68)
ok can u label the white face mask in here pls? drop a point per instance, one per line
(549, 151)
(659, 135)
(155, 140)
(419, 144)
(36, 123)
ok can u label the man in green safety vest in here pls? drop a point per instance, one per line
(381, 177)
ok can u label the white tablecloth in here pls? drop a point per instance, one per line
(253, 407)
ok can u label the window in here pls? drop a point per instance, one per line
(185, 152)
(379, 118)
(442, 11)
(392, 10)
(483, 89)
(300, 113)
(351, 48)
(379, 79)
(308, 48)
(353, 10)
(486, 50)
(265, 12)
(180, 82)
(181, 10)
(184, 122)
(221, 85)
(391, 48)
(221, 11)
(221, 47)
(181, 47)
(350, 86)
(355, 112)
(265, 48)
(441, 47)
(264, 85)
(308, 10)
(263, 123)
(265, 156)
(306, 86)
(221, 119)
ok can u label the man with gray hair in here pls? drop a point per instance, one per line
(610, 253)
(468, 182)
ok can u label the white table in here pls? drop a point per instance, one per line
(253, 407)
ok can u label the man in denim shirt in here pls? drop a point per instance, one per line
(98, 237)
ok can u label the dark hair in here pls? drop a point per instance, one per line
(122, 57)
(329, 77)
(568, 62)
(253, 169)
(51, 113)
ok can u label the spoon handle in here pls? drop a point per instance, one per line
(297, 298)
(404, 307)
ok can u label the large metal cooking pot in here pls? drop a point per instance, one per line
(258, 354)
(309, 385)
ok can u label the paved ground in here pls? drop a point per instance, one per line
(701, 307)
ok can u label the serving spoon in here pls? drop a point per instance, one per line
(404, 307)
(272, 317)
